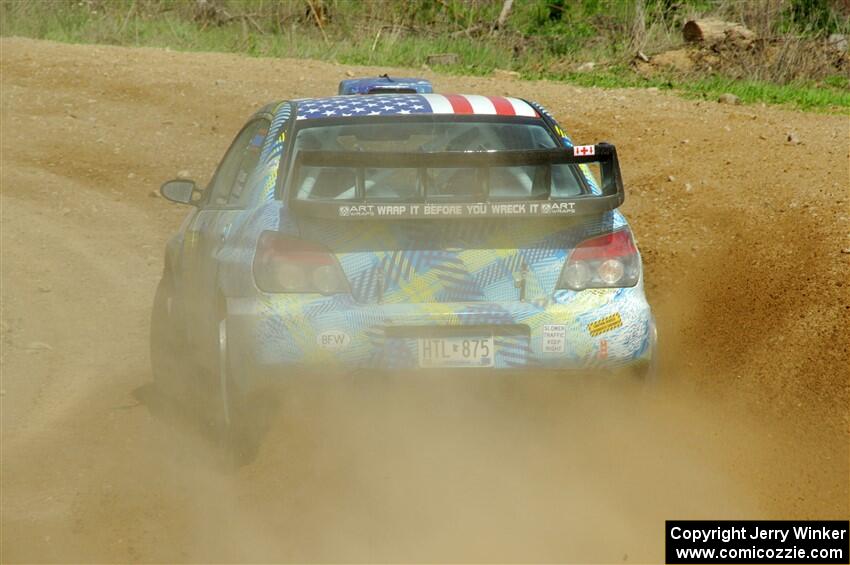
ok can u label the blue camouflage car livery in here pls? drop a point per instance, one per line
(406, 279)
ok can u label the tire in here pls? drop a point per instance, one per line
(167, 346)
(237, 423)
(647, 372)
(202, 396)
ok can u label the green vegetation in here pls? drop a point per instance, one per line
(834, 95)
(538, 38)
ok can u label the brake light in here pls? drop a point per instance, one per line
(289, 264)
(606, 261)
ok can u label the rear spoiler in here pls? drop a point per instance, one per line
(612, 193)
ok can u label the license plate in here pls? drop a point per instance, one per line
(456, 352)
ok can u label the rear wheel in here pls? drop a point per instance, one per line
(177, 375)
(169, 362)
(648, 370)
(241, 421)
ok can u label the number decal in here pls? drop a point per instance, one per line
(456, 352)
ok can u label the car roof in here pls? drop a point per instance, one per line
(411, 104)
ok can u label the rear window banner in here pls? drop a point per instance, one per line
(476, 209)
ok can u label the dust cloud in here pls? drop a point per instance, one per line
(748, 419)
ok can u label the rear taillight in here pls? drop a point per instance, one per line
(289, 264)
(606, 261)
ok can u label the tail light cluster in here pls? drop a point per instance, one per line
(288, 264)
(606, 261)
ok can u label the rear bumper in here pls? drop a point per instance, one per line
(593, 329)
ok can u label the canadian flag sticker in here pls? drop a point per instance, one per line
(584, 150)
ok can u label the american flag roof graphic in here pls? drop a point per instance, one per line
(401, 104)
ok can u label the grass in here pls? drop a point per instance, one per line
(166, 23)
(806, 97)
(833, 97)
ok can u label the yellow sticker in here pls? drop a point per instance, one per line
(605, 324)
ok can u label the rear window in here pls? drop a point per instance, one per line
(407, 184)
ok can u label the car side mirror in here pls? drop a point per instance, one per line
(182, 191)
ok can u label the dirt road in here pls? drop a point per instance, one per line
(742, 235)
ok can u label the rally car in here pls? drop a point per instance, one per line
(400, 231)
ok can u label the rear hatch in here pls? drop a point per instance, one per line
(434, 261)
(438, 210)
